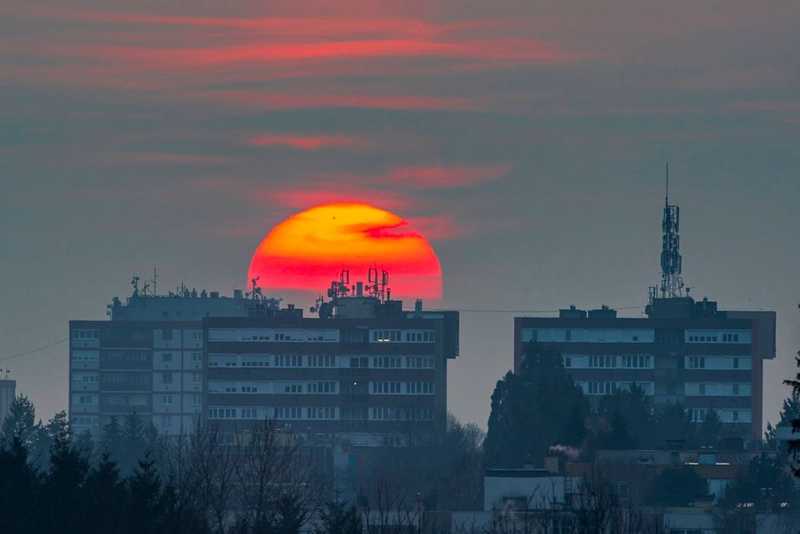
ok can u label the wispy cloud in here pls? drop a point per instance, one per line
(445, 176)
(308, 142)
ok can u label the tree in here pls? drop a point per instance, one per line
(111, 439)
(709, 432)
(789, 412)
(633, 411)
(531, 411)
(618, 436)
(672, 424)
(19, 423)
(19, 486)
(104, 491)
(290, 515)
(794, 443)
(64, 485)
(144, 511)
(677, 486)
(765, 483)
(133, 447)
(339, 518)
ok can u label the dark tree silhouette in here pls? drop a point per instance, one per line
(63, 489)
(104, 491)
(765, 483)
(677, 486)
(19, 486)
(531, 411)
(339, 518)
(20, 422)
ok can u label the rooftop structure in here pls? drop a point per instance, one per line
(684, 350)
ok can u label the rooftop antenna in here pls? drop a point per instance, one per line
(135, 284)
(671, 260)
(155, 281)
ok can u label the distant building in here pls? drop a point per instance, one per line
(364, 373)
(8, 391)
(146, 359)
(683, 351)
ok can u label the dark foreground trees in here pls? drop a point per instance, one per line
(534, 410)
(205, 484)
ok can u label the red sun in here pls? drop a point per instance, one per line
(309, 249)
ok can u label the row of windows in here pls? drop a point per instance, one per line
(718, 389)
(718, 336)
(605, 361)
(611, 387)
(587, 335)
(718, 362)
(389, 413)
(84, 334)
(401, 388)
(321, 361)
(125, 379)
(726, 415)
(293, 335)
(168, 357)
(168, 377)
(400, 336)
(317, 387)
(282, 413)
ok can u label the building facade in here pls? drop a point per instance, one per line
(682, 351)
(147, 359)
(366, 373)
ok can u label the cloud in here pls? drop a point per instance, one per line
(316, 100)
(308, 142)
(444, 176)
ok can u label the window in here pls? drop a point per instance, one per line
(702, 389)
(736, 389)
(166, 378)
(735, 415)
(166, 357)
(567, 361)
(736, 363)
(167, 399)
(166, 335)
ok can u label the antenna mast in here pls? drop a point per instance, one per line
(671, 260)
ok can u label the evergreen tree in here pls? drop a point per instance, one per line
(790, 411)
(133, 447)
(672, 424)
(794, 444)
(105, 498)
(710, 430)
(63, 489)
(533, 410)
(677, 486)
(19, 488)
(634, 412)
(765, 483)
(85, 446)
(617, 437)
(111, 439)
(144, 511)
(19, 423)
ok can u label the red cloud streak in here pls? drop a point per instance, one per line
(308, 142)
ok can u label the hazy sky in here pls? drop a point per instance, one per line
(526, 139)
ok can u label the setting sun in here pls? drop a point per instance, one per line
(309, 249)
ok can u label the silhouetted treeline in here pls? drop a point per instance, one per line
(252, 480)
(541, 407)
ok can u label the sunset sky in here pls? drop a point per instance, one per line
(525, 140)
